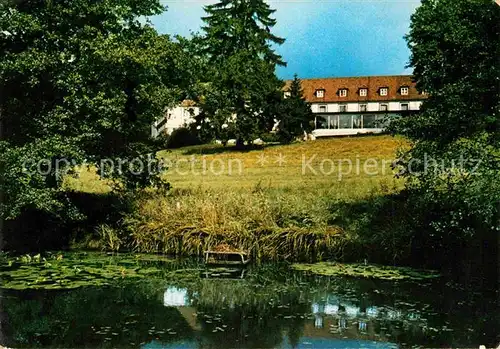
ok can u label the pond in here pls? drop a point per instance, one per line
(100, 301)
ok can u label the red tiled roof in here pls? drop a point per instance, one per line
(188, 103)
(331, 86)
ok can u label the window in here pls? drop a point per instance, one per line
(334, 121)
(383, 107)
(370, 121)
(362, 107)
(404, 106)
(322, 108)
(383, 91)
(288, 94)
(320, 93)
(404, 91)
(342, 108)
(345, 121)
(357, 121)
(343, 92)
(363, 92)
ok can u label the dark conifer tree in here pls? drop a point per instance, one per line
(295, 116)
(238, 44)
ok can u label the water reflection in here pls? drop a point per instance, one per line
(176, 297)
(271, 307)
(314, 329)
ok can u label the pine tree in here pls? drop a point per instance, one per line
(238, 45)
(295, 116)
(235, 26)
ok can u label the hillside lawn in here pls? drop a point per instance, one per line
(279, 201)
(316, 165)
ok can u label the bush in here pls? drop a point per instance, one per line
(182, 137)
(270, 137)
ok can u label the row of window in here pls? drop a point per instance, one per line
(335, 122)
(363, 92)
(363, 107)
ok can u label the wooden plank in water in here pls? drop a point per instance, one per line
(218, 257)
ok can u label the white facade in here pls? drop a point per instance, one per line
(174, 118)
(332, 119)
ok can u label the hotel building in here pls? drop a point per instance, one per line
(359, 105)
(342, 106)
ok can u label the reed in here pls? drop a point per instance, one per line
(270, 224)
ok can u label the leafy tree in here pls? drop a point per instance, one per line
(295, 115)
(241, 62)
(455, 154)
(461, 116)
(80, 81)
(454, 52)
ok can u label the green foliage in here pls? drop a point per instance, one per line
(111, 241)
(292, 210)
(191, 222)
(452, 168)
(464, 93)
(240, 70)
(294, 115)
(80, 81)
(270, 137)
(241, 27)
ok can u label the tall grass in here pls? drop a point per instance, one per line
(294, 224)
(266, 225)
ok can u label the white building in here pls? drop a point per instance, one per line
(175, 118)
(343, 106)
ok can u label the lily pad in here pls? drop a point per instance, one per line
(367, 271)
(73, 270)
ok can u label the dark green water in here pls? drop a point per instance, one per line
(266, 306)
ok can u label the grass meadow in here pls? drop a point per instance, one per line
(324, 163)
(277, 201)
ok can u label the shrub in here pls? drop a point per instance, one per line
(270, 137)
(182, 137)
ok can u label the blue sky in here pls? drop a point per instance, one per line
(324, 37)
